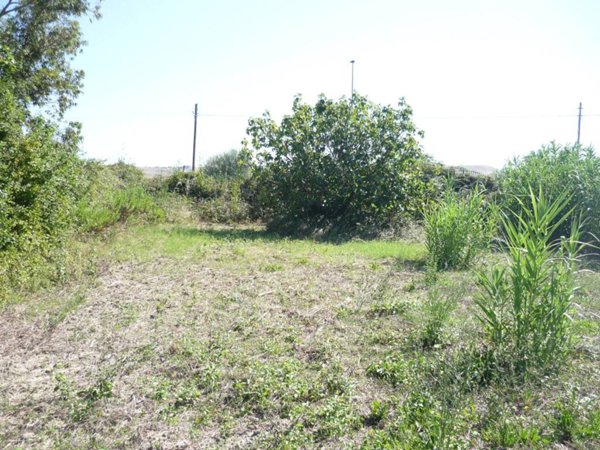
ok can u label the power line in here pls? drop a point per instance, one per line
(493, 117)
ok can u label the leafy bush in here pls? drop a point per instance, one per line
(40, 181)
(127, 174)
(338, 165)
(524, 307)
(456, 228)
(556, 169)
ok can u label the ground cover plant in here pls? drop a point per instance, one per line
(209, 336)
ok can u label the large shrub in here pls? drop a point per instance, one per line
(556, 170)
(40, 181)
(343, 164)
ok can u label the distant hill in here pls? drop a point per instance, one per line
(481, 170)
(150, 172)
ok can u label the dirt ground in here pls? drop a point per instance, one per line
(189, 342)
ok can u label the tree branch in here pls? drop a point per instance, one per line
(16, 6)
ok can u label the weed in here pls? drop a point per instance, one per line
(81, 403)
(389, 307)
(524, 308)
(456, 229)
(378, 413)
(437, 310)
(393, 369)
(272, 267)
(334, 418)
(507, 432)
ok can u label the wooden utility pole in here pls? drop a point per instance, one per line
(579, 124)
(194, 147)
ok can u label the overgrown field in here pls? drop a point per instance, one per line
(187, 336)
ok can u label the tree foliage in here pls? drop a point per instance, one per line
(230, 164)
(39, 182)
(338, 165)
(40, 172)
(40, 38)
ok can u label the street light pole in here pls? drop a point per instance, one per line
(194, 147)
(352, 82)
(579, 124)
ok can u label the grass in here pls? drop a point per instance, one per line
(222, 337)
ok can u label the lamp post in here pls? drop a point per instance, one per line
(352, 81)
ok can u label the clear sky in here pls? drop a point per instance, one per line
(487, 79)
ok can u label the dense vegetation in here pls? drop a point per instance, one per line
(38, 41)
(457, 228)
(233, 336)
(39, 185)
(571, 170)
(338, 165)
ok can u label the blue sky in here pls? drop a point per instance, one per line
(487, 79)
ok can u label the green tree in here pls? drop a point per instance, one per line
(338, 165)
(40, 38)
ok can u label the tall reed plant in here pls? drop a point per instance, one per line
(524, 306)
(457, 227)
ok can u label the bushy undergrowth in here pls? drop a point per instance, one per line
(524, 307)
(40, 181)
(48, 193)
(556, 169)
(115, 193)
(457, 227)
(216, 198)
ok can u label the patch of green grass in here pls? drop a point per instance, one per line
(393, 369)
(188, 241)
(389, 307)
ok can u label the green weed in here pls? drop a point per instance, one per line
(456, 229)
(393, 369)
(524, 307)
(437, 309)
(81, 403)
